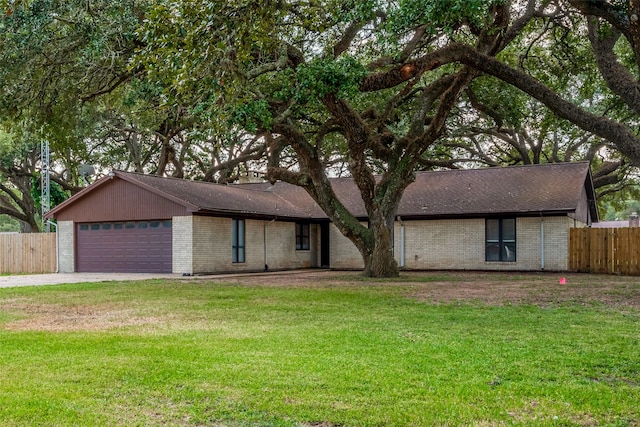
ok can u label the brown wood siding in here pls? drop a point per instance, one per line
(119, 200)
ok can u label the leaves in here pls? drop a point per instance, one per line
(180, 87)
(252, 116)
(440, 15)
(323, 76)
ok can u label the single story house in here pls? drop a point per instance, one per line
(633, 221)
(511, 218)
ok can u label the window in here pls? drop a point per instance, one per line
(302, 236)
(237, 240)
(500, 239)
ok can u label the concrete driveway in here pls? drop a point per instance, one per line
(60, 278)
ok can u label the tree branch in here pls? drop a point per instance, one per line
(347, 37)
(618, 78)
(624, 138)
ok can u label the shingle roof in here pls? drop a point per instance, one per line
(210, 197)
(548, 188)
(611, 224)
(517, 189)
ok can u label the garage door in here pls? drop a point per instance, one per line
(139, 247)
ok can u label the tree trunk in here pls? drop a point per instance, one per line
(379, 261)
(30, 226)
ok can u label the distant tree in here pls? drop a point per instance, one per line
(549, 58)
(17, 167)
(65, 76)
(8, 224)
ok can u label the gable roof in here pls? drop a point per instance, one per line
(547, 188)
(534, 189)
(207, 197)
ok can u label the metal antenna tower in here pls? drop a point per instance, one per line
(45, 195)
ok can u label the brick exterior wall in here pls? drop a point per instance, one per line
(211, 246)
(441, 244)
(66, 248)
(182, 244)
(343, 253)
(556, 243)
(459, 244)
(281, 246)
(203, 245)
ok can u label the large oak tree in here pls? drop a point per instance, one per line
(310, 76)
(206, 89)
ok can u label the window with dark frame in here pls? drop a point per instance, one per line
(237, 241)
(303, 241)
(500, 240)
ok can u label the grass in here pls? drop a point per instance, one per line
(363, 354)
(429, 278)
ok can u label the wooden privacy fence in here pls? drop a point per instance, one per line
(605, 250)
(28, 253)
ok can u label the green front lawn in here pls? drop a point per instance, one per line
(195, 353)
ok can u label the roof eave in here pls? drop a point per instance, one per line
(252, 214)
(591, 196)
(488, 214)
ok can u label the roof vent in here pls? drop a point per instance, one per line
(250, 178)
(86, 171)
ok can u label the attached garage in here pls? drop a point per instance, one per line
(120, 224)
(130, 222)
(132, 246)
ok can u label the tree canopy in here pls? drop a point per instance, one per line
(302, 89)
(383, 82)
